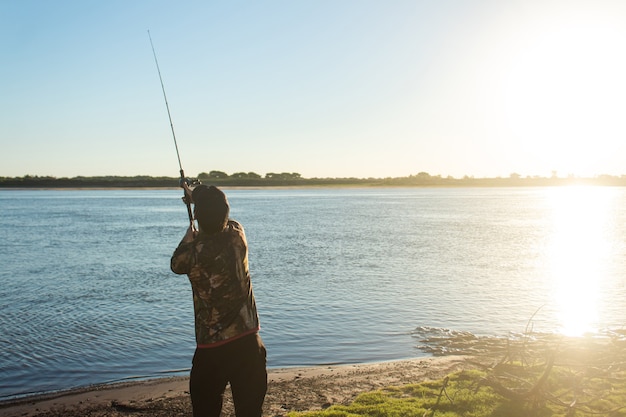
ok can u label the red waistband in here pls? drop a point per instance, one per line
(223, 342)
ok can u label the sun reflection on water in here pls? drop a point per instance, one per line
(578, 254)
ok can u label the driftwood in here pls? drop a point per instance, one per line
(521, 395)
(441, 392)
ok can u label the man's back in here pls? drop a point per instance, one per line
(217, 267)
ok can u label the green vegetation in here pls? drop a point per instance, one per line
(471, 394)
(291, 179)
(537, 376)
(460, 394)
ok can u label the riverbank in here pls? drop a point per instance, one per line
(597, 364)
(290, 389)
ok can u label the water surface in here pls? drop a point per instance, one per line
(340, 275)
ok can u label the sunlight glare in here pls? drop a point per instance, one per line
(578, 253)
(565, 92)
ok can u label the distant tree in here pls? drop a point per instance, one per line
(245, 175)
(515, 176)
(283, 176)
(423, 175)
(217, 175)
(212, 175)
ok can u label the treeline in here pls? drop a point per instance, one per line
(285, 179)
(35, 181)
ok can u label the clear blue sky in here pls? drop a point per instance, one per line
(326, 88)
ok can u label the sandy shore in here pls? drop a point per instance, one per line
(290, 389)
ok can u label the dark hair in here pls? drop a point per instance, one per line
(211, 208)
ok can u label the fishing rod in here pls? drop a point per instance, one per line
(183, 180)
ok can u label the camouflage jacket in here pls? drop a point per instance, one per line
(217, 267)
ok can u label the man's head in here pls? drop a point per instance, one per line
(211, 208)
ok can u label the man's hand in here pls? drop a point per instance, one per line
(187, 197)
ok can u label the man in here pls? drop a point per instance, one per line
(229, 349)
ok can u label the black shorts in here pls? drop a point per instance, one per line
(242, 363)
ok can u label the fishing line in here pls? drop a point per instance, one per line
(167, 106)
(183, 179)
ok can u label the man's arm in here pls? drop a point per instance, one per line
(183, 257)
